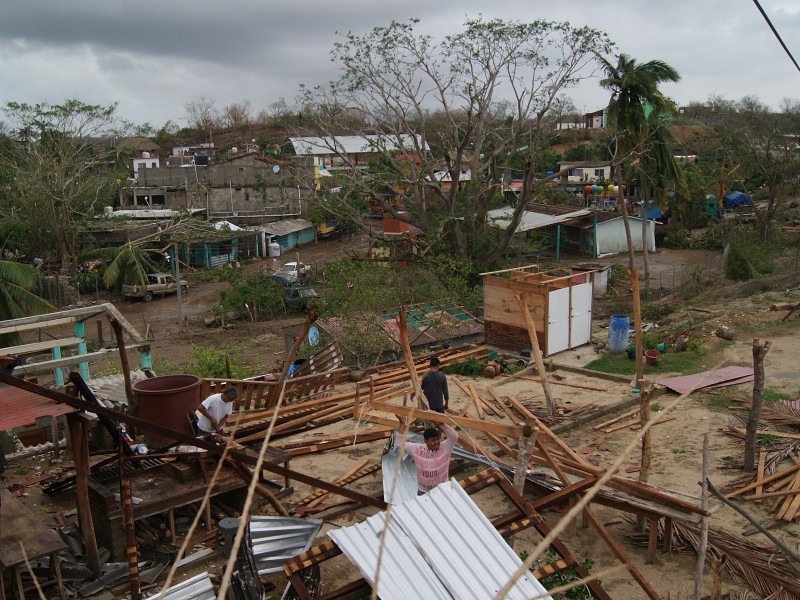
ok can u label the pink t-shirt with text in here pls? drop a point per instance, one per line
(433, 467)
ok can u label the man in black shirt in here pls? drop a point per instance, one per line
(434, 386)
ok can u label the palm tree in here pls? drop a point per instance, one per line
(634, 109)
(16, 298)
(129, 264)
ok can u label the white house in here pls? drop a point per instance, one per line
(586, 171)
(580, 230)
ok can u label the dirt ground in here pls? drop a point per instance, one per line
(677, 444)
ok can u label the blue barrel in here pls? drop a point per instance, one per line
(618, 333)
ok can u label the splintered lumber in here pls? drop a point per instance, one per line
(352, 438)
(526, 414)
(471, 395)
(503, 446)
(512, 431)
(477, 399)
(634, 421)
(615, 419)
(537, 353)
(769, 479)
(762, 454)
(502, 404)
(790, 504)
(322, 446)
(317, 496)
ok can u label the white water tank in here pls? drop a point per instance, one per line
(108, 210)
(274, 249)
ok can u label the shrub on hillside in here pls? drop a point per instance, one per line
(737, 267)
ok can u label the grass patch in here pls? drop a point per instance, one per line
(717, 401)
(771, 395)
(670, 362)
(678, 451)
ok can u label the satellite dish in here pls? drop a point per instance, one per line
(275, 168)
(313, 336)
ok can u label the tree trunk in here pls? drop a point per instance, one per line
(622, 207)
(644, 251)
(759, 352)
(637, 324)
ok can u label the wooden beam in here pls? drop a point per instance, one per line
(79, 440)
(41, 346)
(49, 365)
(537, 354)
(621, 555)
(29, 326)
(512, 431)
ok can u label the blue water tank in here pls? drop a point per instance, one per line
(618, 328)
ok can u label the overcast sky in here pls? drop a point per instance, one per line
(153, 57)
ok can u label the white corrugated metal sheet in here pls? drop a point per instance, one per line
(198, 587)
(404, 487)
(277, 539)
(439, 545)
(501, 217)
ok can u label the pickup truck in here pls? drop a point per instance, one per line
(158, 284)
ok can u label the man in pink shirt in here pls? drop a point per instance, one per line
(432, 458)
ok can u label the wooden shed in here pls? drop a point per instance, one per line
(560, 305)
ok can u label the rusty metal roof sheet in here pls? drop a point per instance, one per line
(21, 407)
(439, 545)
(427, 323)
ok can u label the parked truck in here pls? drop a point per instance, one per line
(158, 284)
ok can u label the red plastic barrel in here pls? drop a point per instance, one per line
(167, 401)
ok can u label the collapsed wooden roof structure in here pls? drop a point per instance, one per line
(515, 439)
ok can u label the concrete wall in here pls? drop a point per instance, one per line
(611, 236)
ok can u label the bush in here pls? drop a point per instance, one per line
(673, 236)
(256, 293)
(737, 266)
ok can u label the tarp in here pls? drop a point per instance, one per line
(735, 199)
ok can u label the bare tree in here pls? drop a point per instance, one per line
(449, 114)
(201, 114)
(238, 114)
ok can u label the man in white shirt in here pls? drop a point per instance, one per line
(214, 411)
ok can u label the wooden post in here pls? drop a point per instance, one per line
(537, 354)
(133, 408)
(647, 447)
(228, 366)
(637, 322)
(131, 550)
(100, 341)
(701, 552)
(527, 441)
(78, 435)
(759, 352)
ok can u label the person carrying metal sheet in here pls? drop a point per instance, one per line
(432, 459)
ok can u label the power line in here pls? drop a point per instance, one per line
(777, 35)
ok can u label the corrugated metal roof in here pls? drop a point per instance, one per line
(198, 587)
(427, 324)
(439, 545)
(406, 485)
(111, 388)
(21, 407)
(287, 226)
(277, 539)
(501, 217)
(352, 144)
